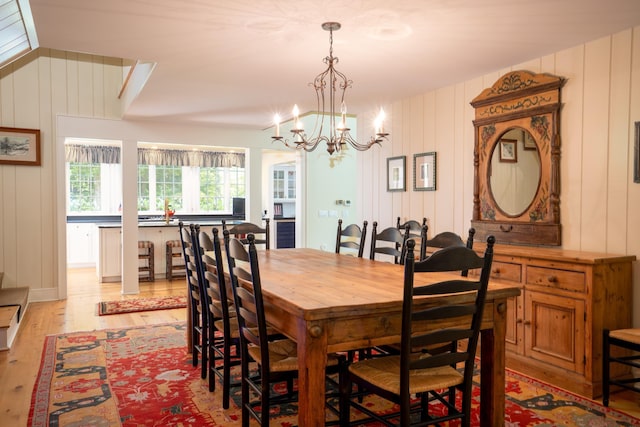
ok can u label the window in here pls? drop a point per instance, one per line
(84, 187)
(218, 186)
(168, 185)
(144, 184)
(97, 187)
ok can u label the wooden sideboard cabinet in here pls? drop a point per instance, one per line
(554, 328)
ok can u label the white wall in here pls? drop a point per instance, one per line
(32, 91)
(599, 203)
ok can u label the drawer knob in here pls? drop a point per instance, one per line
(506, 229)
(496, 271)
(552, 279)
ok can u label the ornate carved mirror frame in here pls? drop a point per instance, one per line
(531, 102)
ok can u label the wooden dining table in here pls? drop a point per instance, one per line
(329, 302)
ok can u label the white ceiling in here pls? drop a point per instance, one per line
(238, 62)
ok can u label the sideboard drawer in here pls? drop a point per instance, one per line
(562, 279)
(506, 271)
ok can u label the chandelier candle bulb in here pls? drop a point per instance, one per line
(276, 120)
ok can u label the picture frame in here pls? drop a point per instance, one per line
(528, 143)
(508, 150)
(424, 171)
(396, 167)
(636, 154)
(19, 146)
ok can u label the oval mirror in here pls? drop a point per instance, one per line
(514, 175)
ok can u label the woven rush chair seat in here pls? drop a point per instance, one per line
(630, 335)
(385, 372)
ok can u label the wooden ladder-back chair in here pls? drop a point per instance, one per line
(224, 338)
(427, 366)
(449, 238)
(276, 359)
(240, 231)
(414, 226)
(198, 323)
(352, 237)
(391, 235)
(416, 232)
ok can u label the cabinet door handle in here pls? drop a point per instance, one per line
(527, 322)
(518, 320)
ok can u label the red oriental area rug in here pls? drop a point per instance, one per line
(141, 304)
(143, 376)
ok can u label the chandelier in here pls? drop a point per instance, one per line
(336, 84)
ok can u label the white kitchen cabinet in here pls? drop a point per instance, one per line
(109, 267)
(81, 245)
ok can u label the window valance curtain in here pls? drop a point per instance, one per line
(92, 154)
(151, 156)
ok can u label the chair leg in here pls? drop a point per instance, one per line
(204, 337)
(344, 386)
(605, 367)
(245, 393)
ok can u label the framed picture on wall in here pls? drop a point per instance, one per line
(528, 142)
(396, 173)
(19, 146)
(509, 150)
(424, 171)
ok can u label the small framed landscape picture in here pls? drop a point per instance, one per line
(424, 171)
(509, 150)
(396, 173)
(19, 146)
(528, 143)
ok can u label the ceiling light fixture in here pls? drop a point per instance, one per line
(336, 85)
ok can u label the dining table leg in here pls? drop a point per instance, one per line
(492, 368)
(312, 363)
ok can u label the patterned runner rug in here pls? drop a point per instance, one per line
(141, 304)
(143, 376)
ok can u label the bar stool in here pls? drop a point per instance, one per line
(174, 259)
(146, 254)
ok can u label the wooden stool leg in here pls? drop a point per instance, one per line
(605, 368)
(152, 275)
(169, 262)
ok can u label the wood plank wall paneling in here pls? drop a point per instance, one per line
(619, 135)
(595, 147)
(601, 101)
(33, 90)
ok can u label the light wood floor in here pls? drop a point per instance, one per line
(19, 365)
